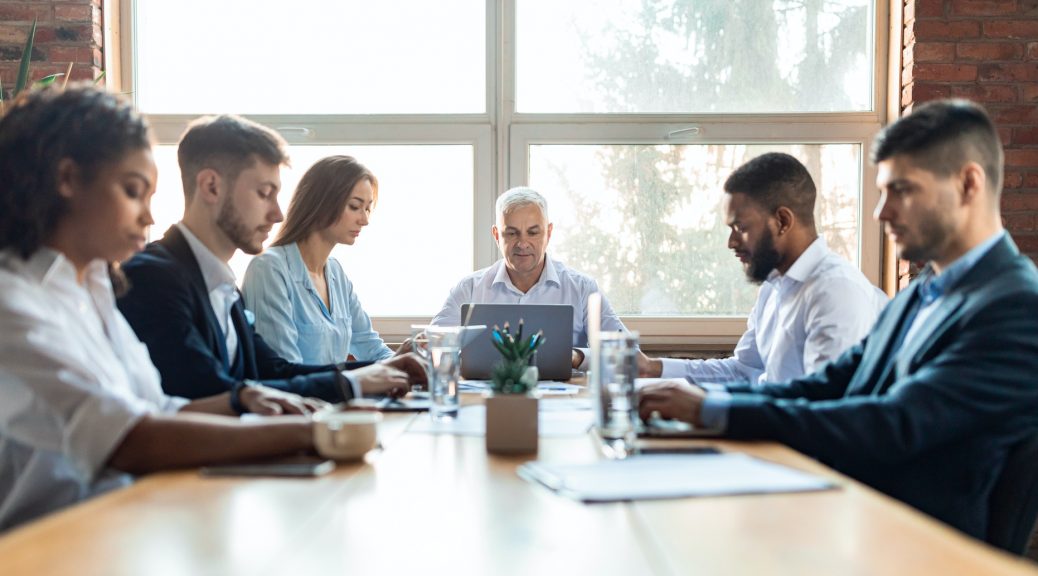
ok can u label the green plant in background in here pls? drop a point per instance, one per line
(510, 375)
(23, 70)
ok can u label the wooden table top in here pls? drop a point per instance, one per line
(429, 504)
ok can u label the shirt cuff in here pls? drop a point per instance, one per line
(349, 384)
(713, 414)
(673, 368)
(586, 353)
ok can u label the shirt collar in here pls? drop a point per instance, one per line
(550, 274)
(215, 272)
(805, 264)
(934, 286)
(294, 261)
(48, 266)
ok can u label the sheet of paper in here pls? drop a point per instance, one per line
(546, 387)
(670, 476)
(471, 421)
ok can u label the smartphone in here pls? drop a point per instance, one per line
(296, 467)
(678, 450)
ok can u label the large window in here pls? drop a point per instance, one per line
(627, 115)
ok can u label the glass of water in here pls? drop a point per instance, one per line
(420, 347)
(613, 389)
(444, 347)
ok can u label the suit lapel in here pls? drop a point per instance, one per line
(943, 318)
(246, 348)
(939, 321)
(175, 243)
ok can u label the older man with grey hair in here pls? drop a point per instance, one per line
(526, 274)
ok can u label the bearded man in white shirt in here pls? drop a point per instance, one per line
(812, 304)
(526, 274)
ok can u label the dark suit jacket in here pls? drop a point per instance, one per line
(932, 428)
(169, 308)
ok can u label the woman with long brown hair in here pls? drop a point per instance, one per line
(305, 307)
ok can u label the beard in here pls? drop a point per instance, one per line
(763, 260)
(230, 223)
(933, 234)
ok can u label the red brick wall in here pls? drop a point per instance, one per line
(66, 31)
(987, 51)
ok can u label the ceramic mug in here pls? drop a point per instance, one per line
(345, 435)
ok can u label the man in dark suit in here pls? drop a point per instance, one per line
(927, 406)
(183, 302)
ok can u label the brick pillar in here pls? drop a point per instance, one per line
(987, 51)
(66, 31)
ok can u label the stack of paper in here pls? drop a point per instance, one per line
(670, 476)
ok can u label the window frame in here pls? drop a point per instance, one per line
(501, 136)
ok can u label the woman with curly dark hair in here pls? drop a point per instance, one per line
(82, 404)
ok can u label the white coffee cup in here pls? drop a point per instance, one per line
(345, 435)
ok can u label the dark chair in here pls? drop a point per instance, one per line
(1014, 500)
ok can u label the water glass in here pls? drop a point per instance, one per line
(420, 347)
(613, 387)
(444, 346)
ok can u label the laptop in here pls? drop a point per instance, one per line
(554, 357)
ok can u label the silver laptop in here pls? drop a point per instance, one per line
(554, 357)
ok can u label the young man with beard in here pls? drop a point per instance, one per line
(184, 304)
(927, 407)
(812, 304)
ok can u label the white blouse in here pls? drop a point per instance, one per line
(74, 379)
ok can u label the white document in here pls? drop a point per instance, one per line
(545, 388)
(471, 421)
(670, 476)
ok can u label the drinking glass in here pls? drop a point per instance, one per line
(613, 388)
(444, 346)
(420, 347)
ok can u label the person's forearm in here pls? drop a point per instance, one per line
(219, 404)
(161, 442)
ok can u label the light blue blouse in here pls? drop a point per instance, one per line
(292, 318)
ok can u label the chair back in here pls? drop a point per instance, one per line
(1013, 507)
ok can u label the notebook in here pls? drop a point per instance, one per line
(554, 357)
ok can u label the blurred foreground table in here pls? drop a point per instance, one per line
(429, 504)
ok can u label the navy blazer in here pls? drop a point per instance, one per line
(930, 423)
(168, 307)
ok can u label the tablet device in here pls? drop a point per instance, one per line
(295, 466)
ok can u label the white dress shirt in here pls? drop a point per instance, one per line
(74, 379)
(219, 282)
(557, 285)
(802, 319)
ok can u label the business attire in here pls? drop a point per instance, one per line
(74, 379)
(557, 285)
(172, 306)
(926, 407)
(294, 320)
(802, 319)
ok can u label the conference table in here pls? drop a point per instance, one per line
(440, 504)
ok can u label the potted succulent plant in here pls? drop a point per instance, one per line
(511, 405)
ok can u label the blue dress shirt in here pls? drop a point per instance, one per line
(294, 321)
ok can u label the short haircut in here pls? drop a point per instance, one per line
(517, 198)
(228, 144)
(942, 136)
(85, 124)
(321, 196)
(774, 180)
